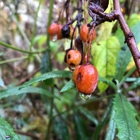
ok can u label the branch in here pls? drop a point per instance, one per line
(129, 37)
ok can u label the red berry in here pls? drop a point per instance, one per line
(73, 58)
(53, 29)
(86, 78)
(87, 35)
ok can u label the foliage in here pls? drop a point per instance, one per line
(38, 97)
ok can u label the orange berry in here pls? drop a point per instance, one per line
(86, 78)
(59, 34)
(87, 35)
(73, 58)
(53, 29)
(74, 76)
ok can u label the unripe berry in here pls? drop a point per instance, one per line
(86, 78)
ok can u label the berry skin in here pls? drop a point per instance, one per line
(53, 29)
(73, 58)
(87, 35)
(86, 78)
(65, 31)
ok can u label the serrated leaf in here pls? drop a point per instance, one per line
(49, 75)
(103, 121)
(111, 128)
(16, 91)
(104, 56)
(88, 115)
(69, 85)
(125, 119)
(6, 131)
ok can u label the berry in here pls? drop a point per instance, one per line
(65, 31)
(73, 58)
(79, 44)
(87, 35)
(86, 78)
(53, 29)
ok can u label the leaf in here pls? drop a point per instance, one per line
(109, 82)
(69, 85)
(122, 62)
(61, 129)
(16, 91)
(104, 56)
(46, 66)
(49, 75)
(111, 128)
(103, 121)
(79, 128)
(125, 119)
(88, 115)
(1, 83)
(6, 131)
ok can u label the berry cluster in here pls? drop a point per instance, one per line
(85, 75)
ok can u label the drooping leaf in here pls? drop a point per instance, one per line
(61, 129)
(49, 75)
(69, 85)
(88, 115)
(126, 122)
(103, 121)
(16, 91)
(104, 57)
(111, 128)
(6, 131)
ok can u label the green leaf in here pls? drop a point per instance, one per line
(125, 119)
(88, 115)
(61, 129)
(103, 121)
(111, 128)
(46, 66)
(105, 54)
(122, 62)
(79, 128)
(108, 82)
(49, 75)
(6, 131)
(69, 85)
(16, 91)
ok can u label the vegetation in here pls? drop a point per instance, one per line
(70, 70)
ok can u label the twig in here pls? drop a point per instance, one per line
(129, 37)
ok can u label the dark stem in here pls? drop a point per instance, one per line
(129, 37)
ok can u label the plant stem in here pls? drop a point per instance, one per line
(52, 100)
(14, 59)
(20, 50)
(129, 37)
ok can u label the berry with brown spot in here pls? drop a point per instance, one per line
(86, 78)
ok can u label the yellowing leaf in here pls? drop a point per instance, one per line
(104, 58)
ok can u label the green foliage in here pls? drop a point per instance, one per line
(49, 75)
(69, 85)
(125, 120)
(105, 57)
(6, 131)
(16, 91)
(111, 131)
